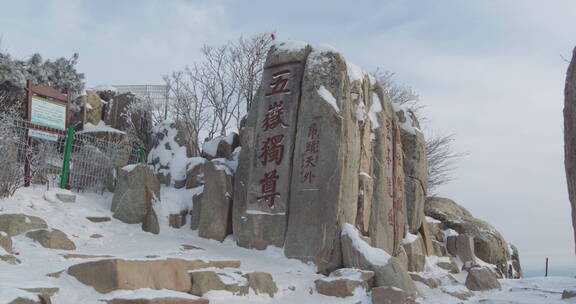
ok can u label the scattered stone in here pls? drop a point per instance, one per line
(389, 295)
(130, 199)
(66, 197)
(196, 211)
(430, 282)
(221, 146)
(10, 259)
(113, 274)
(150, 222)
(343, 282)
(96, 236)
(50, 291)
(177, 220)
(5, 242)
(216, 211)
(98, 219)
(460, 294)
(451, 266)
(482, 278)
(84, 256)
(40, 299)
(416, 253)
(158, 301)
(387, 269)
(568, 294)
(205, 281)
(195, 175)
(262, 282)
(461, 246)
(55, 274)
(191, 247)
(14, 224)
(54, 239)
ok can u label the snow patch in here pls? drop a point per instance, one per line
(375, 108)
(410, 238)
(375, 256)
(355, 73)
(290, 45)
(100, 127)
(328, 97)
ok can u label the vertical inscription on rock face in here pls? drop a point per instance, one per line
(264, 173)
(309, 157)
(274, 137)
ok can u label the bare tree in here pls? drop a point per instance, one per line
(247, 58)
(442, 157)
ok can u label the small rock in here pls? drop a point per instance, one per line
(482, 278)
(98, 219)
(96, 236)
(389, 295)
(205, 281)
(430, 282)
(451, 266)
(10, 259)
(191, 247)
(158, 301)
(5, 242)
(50, 291)
(66, 198)
(568, 294)
(262, 282)
(461, 294)
(54, 239)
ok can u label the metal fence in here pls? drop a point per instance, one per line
(92, 158)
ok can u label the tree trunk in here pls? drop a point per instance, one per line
(570, 135)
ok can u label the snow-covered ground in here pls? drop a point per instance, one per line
(295, 279)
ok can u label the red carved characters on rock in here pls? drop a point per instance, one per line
(279, 83)
(273, 116)
(272, 150)
(268, 187)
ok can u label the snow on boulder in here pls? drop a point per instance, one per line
(221, 146)
(359, 254)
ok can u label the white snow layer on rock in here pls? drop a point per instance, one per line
(375, 108)
(328, 97)
(408, 124)
(100, 127)
(211, 147)
(104, 87)
(175, 159)
(290, 45)
(355, 73)
(375, 256)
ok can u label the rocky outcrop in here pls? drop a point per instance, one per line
(461, 246)
(390, 295)
(343, 282)
(387, 269)
(322, 139)
(171, 300)
(481, 278)
(236, 283)
(215, 220)
(416, 253)
(136, 191)
(489, 245)
(113, 274)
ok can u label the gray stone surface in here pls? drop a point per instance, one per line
(390, 273)
(196, 211)
(129, 203)
(259, 216)
(481, 278)
(53, 239)
(14, 224)
(216, 211)
(461, 246)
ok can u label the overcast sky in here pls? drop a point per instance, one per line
(491, 72)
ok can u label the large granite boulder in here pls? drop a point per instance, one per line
(343, 282)
(388, 271)
(131, 203)
(215, 221)
(323, 139)
(416, 253)
(489, 245)
(113, 274)
(481, 278)
(415, 167)
(93, 108)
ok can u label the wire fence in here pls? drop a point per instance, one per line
(93, 157)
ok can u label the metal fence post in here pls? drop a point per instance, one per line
(66, 164)
(140, 158)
